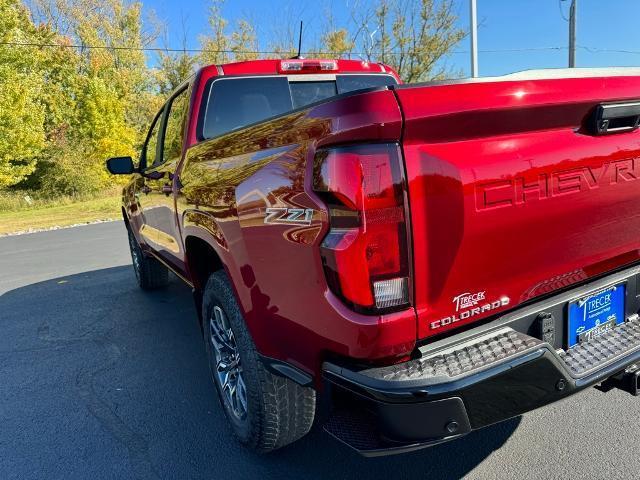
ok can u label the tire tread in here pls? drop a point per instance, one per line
(283, 411)
(152, 274)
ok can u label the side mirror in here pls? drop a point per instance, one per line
(121, 166)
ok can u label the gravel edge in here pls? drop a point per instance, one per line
(57, 227)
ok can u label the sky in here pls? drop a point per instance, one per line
(513, 35)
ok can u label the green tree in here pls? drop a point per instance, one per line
(22, 135)
(173, 69)
(220, 46)
(216, 44)
(103, 96)
(244, 44)
(411, 36)
(336, 42)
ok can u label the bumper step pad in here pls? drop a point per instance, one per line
(589, 356)
(461, 360)
(488, 351)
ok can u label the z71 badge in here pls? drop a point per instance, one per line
(296, 216)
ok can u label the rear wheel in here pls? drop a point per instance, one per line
(266, 411)
(150, 273)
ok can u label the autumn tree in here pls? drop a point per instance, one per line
(244, 44)
(336, 42)
(411, 36)
(174, 67)
(215, 44)
(107, 81)
(22, 133)
(221, 46)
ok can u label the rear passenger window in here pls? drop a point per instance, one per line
(349, 83)
(174, 132)
(150, 150)
(305, 93)
(238, 102)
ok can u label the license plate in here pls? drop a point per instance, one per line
(595, 314)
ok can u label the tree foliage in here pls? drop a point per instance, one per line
(244, 45)
(215, 44)
(173, 69)
(97, 99)
(22, 113)
(337, 42)
(221, 46)
(412, 36)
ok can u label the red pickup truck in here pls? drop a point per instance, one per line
(419, 260)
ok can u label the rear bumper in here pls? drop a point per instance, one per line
(466, 386)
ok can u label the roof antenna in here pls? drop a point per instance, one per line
(299, 43)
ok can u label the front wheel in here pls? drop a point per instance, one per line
(150, 273)
(266, 411)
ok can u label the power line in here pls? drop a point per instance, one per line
(266, 52)
(257, 52)
(114, 47)
(607, 50)
(510, 50)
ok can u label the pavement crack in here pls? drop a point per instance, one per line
(136, 444)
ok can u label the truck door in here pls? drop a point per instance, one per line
(159, 229)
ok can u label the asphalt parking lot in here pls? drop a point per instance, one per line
(100, 380)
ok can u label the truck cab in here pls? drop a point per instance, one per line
(217, 101)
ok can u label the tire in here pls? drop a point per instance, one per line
(270, 411)
(150, 273)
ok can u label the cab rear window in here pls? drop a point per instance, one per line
(238, 102)
(234, 103)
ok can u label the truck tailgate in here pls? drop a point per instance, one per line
(512, 197)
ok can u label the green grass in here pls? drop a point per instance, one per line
(17, 215)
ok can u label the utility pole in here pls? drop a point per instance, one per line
(474, 38)
(572, 33)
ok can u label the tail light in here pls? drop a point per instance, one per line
(365, 253)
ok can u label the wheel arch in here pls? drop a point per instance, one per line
(202, 260)
(205, 255)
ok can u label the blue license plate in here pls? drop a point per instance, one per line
(595, 314)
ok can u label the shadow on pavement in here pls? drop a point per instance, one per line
(101, 380)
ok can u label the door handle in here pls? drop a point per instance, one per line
(145, 189)
(615, 118)
(167, 189)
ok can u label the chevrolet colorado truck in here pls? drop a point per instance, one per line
(402, 263)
